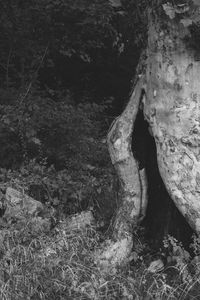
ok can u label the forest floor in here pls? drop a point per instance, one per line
(51, 255)
(55, 213)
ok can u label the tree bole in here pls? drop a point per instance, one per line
(173, 111)
(169, 90)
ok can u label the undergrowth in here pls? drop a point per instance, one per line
(55, 261)
(60, 265)
(56, 266)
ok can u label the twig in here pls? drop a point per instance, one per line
(7, 67)
(23, 97)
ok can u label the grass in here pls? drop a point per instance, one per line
(60, 265)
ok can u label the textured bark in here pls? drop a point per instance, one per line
(171, 105)
(172, 108)
(119, 145)
(144, 196)
(133, 185)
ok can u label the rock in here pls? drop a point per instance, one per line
(78, 221)
(19, 205)
(156, 266)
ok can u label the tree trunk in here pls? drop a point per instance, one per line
(172, 110)
(133, 183)
(171, 105)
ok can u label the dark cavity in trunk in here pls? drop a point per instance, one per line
(162, 217)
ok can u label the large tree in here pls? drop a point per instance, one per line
(167, 90)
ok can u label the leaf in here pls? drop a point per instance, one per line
(6, 120)
(115, 3)
(85, 57)
(30, 133)
(169, 10)
(35, 141)
(181, 9)
(99, 190)
(186, 22)
(90, 167)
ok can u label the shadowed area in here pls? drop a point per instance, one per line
(162, 216)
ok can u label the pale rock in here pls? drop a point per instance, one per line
(78, 221)
(156, 266)
(19, 205)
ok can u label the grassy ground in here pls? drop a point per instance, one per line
(59, 264)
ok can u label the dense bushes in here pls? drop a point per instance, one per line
(53, 128)
(56, 150)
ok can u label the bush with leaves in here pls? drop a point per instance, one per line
(55, 150)
(69, 191)
(55, 128)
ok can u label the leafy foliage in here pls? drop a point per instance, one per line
(58, 128)
(70, 137)
(71, 44)
(54, 115)
(69, 28)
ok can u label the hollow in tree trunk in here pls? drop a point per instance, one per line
(170, 93)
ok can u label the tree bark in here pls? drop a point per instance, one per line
(133, 184)
(171, 106)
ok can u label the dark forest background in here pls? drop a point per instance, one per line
(61, 55)
(66, 71)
